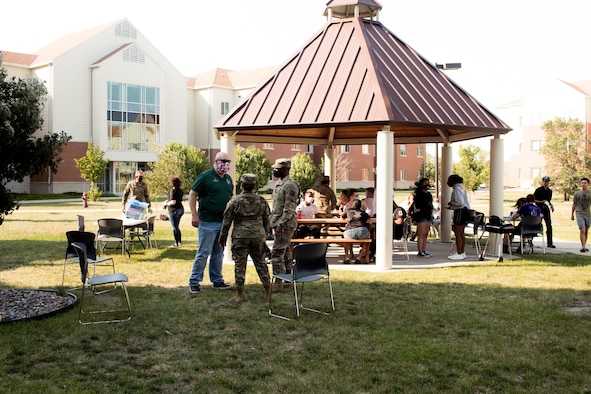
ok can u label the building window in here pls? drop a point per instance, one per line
(309, 148)
(403, 175)
(536, 145)
(345, 148)
(419, 151)
(365, 174)
(346, 174)
(403, 150)
(225, 107)
(295, 147)
(133, 117)
(268, 146)
(365, 149)
(419, 174)
(535, 172)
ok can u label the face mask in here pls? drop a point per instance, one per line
(309, 200)
(140, 178)
(277, 173)
(222, 168)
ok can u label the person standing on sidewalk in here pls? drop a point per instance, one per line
(213, 189)
(543, 199)
(460, 205)
(286, 197)
(582, 206)
(250, 214)
(423, 214)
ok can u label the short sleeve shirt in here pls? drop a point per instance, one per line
(214, 192)
(582, 201)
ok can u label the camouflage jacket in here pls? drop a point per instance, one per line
(250, 214)
(324, 198)
(136, 190)
(286, 197)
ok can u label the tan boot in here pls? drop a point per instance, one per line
(268, 292)
(239, 297)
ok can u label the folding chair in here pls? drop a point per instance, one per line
(111, 231)
(88, 240)
(96, 281)
(476, 223)
(402, 236)
(145, 232)
(310, 265)
(80, 222)
(531, 227)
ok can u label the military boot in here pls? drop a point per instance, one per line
(268, 292)
(239, 297)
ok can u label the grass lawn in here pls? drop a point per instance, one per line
(489, 327)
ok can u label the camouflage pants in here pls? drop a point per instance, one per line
(281, 257)
(241, 248)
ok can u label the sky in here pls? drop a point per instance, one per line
(505, 46)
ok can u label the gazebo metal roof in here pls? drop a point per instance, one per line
(350, 80)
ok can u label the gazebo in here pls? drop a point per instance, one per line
(355, 82)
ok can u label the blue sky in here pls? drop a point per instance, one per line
(504, 46)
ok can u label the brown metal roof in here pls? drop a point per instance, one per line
(350, 80)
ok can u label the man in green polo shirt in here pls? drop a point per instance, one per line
(213, 189)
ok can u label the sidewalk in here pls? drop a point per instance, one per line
(439, 252)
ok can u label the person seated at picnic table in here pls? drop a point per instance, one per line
(307, 210)
(344, 201)
(356, 228)
(525, 207)
(398, 217)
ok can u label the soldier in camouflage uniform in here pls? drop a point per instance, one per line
(137, 190)
(286, 197)
(324, 197)
(250, 214)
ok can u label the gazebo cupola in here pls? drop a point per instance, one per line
(342, 9)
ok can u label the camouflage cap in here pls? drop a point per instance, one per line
(249, 179)
(282, 163)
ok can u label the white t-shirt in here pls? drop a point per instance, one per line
(308, 211)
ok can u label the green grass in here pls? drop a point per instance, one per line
(487, 327)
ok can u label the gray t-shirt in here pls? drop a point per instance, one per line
(582, 201)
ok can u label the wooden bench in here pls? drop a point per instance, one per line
(363, 243)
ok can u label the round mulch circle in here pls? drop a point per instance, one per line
(23, 304)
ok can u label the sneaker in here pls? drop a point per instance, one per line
(195, 289)
(464, 255)
(221, 285)
(457, 256)
(551, 246)
(424, 254)
(584, 250)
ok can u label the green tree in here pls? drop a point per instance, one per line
(428, 168)
(21, 153)
(175, 159)
(303, 171)
(92, 167)
(473, 166)
(252, 160)
(566, 152)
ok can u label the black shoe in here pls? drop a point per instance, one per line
(195, 289)
(221, 285)
(551, 246)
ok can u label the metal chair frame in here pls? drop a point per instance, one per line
(111, 231)
(406, 225)
(531, 227)
(88, 239)
(95, 281)
(310, 266)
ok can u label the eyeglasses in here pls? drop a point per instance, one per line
(225, 161)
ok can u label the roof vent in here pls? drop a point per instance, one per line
(126, 30)
(133, 54)
(342, 9)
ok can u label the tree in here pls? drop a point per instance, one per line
(566, 152)
(21, 153)
(253, 161)
(92, 167)
(175, 159)
(303, 171)
(473, 166)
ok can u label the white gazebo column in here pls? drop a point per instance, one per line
(496, 186)
(228, 145)
(445, 196)
(330, 168)
(385, 191)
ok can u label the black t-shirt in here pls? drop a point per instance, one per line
(399, 213)
(423, 206)
(542, 194)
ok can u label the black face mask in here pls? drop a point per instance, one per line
(277, 173)
(140, 178)
(426, 187)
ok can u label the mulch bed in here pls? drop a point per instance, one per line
(23, 304)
